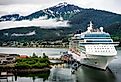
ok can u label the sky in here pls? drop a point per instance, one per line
(25, 7)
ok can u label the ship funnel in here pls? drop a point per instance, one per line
(101, 29)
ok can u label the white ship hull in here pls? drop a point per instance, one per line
(96, 61)
(100, 62)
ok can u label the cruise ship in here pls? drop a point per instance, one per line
(94, 47)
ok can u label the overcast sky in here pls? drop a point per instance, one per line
(25, 7)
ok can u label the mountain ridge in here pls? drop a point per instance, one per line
(52, 12)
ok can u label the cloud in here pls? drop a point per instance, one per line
(112, 5)
(41, 22)
(24, 9)
(26, 34)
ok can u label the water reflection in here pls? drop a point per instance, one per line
(33, 76)
(27, 77)
(61, 75)
(86, 74)
(83, 74)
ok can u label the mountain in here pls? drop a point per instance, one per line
(12, 17)
(78, 19)
(63, 10)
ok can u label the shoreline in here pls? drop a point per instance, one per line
(119, 47)
(26, 70)
(34, 47)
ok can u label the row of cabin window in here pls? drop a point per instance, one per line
(100, 48)
(101, 51)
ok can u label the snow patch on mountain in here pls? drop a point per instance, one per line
(43, 18)
(62, 4)
(5, 34)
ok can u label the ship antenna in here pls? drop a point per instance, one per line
(90, 27)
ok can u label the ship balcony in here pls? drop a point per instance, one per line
(102, 53)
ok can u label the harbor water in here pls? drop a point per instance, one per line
(63, 74)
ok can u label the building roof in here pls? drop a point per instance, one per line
(23, 56)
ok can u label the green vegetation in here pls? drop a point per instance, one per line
(33, 62)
